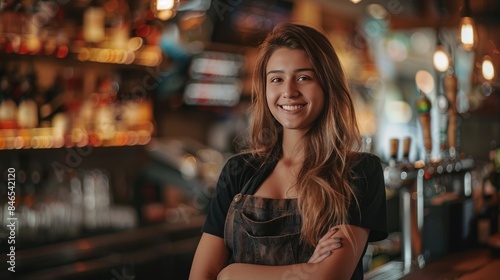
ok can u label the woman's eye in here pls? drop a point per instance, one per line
(275, 80)
(304, 78)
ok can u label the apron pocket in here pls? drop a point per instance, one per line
(274, 250)
(287, 224)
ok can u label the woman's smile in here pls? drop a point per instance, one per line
(291, 108)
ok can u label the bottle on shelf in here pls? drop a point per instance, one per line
(94, 24)
(8, 108)
(117, 24)
(27, 108)
(52, 101)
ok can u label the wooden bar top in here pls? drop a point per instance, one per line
(470, 264)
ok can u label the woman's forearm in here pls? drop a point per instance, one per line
(210, 258)
(241, 271)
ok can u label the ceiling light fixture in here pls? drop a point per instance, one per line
(468, 34)
(440, 59)
(164, 9)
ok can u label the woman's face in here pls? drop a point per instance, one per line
(293, 93)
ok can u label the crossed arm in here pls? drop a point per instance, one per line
(211, 257)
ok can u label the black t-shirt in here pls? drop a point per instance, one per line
(368, 181)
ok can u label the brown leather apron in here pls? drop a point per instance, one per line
(263, 230)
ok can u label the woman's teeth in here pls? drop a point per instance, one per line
(291, 107)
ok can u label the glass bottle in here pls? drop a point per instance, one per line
(8, 108)
(94, 23)
(27, 111)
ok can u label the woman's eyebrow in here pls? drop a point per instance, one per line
(275, 71)
(295, 71)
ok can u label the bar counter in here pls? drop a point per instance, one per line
(470, 264)
(162, 251)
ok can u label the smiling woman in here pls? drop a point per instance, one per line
(293, 93)
(301, 202)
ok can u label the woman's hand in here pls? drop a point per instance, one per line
(326, 245)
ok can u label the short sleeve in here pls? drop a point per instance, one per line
(228, 185)
(369, 183)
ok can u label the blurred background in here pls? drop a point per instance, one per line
(116, 117)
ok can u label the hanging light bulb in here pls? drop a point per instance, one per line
(440, 59)
(164, 9)
(487, 68)
(467, 29)
(467, 33)
(355, 1)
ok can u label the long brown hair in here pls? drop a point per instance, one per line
(324, 190)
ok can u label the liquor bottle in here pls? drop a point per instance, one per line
(27, 111)
(8, 108)
(117, 24)
(94, 23)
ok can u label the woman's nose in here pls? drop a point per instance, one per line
(290, 89)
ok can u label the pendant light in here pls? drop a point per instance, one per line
(164, 9)
(440, 58)
(468, 34)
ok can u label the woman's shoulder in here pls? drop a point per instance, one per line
(366, 160)
(367, 173)
(367, 165)
(243, 158)
(242, 163)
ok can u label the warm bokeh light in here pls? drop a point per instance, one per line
(93, 25)
(165, 14)
(163, 9)
(135, 43)
(440, 59)
(164, 4)
(467, 33)
(487, 68)
(425, 81)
